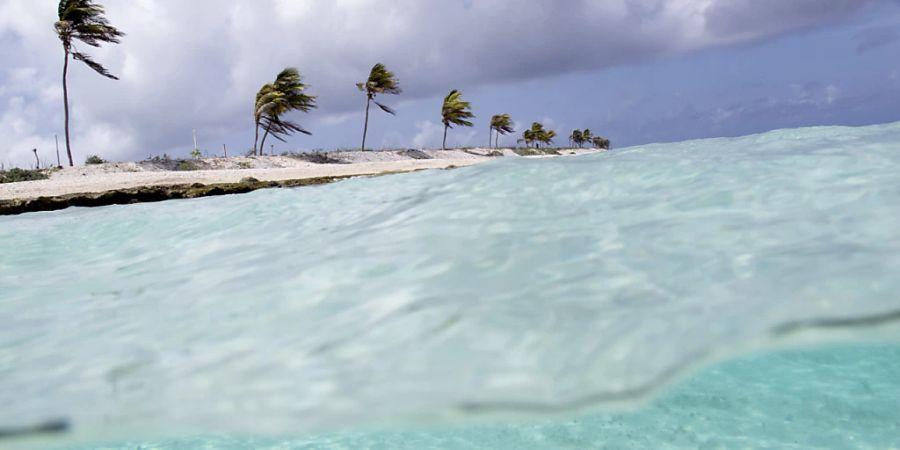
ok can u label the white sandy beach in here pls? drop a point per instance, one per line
(112, 176)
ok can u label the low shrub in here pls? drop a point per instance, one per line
(528, 151)
(17, 175)
(93, 160)
(186, 166)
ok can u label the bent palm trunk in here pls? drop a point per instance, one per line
(366, 126)
(66, 107)
(444, 145)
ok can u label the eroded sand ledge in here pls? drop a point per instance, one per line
(126, 183)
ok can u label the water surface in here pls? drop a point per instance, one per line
(534, 289)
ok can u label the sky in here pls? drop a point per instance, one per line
(634, 71)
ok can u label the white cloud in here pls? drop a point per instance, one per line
(196, 65)
(832, 93)
(428, 134)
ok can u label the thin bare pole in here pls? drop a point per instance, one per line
(58, 163)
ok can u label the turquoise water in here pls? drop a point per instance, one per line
(839, 397)
(521, 292)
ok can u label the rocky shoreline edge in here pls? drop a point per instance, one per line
(150, 194)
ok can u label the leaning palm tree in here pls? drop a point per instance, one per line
(501, 124)
(276, 99)
(547, 137)
(587, 135)
(600, 142)
(577, 138)
(82, 20)
(527, 137)
(537, 134)
(381, 81)
(455, 111)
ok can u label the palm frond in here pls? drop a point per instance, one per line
(502, 123)
(93, 65)
(284, 95)
(84, 21)
(386, 108)
(455, 111)
(381, 81)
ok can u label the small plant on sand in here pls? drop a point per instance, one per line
(94, 160)
(243, 165)
(16, 175)
(381, 81)
(196, 153)
(455, 111)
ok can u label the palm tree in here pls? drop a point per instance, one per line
(82, 20)
(587, 135)
(455, 111)
(502, 124)
(381, 81)
(600, 142)
(547, 137)
(276, 99)
(527, 138)
(536, 134)
(577, 138)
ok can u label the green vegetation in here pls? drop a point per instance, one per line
(84, 21)
(276, 99)
(455, 111)
(537, 135)
(537, 152)
(94, 160)
(381, 81)
(196, 153)
(501, 124)
(186, 166)
(157, 159)
(16, 175)
(600, 142)
(579, 138)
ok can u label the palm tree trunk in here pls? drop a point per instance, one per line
(497, 140)
(262, 145)
(444, 145)
(366, 126)
(256, 140)
(66, 106)
(491, 137)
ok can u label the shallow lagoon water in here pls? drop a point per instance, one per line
(528, 290)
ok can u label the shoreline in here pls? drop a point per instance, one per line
(152, 181)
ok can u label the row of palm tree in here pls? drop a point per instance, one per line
(84, 21)
(580, 137)
(537, 135)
